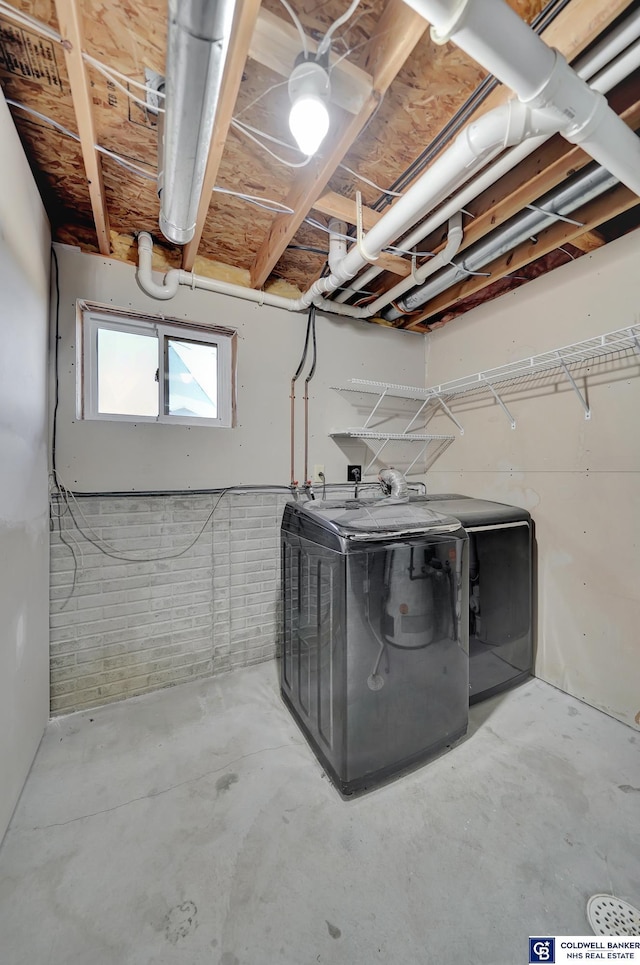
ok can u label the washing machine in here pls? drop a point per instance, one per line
(500, 591)
(374, 662)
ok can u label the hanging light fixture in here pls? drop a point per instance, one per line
(309, 92)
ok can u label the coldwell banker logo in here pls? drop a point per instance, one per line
(542, 950)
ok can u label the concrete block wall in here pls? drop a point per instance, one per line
(156, 612)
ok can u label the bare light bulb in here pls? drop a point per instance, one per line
(309, 91)
(309, 123)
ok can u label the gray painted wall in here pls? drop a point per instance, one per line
(579, 479)
(24, 574)
(109, 456)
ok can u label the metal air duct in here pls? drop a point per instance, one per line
(197, 45)
(554, 206)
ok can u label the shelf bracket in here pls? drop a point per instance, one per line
(583, 402)
(419, 456)
(500, 403)
(373, 411)
(375, 457)
(449, 412)
(418, 413)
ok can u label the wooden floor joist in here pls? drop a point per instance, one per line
(71, 31)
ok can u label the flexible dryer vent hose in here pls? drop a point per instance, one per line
(395, 484)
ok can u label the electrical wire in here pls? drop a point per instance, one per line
(274, 206)
(106, 72)
(393, 249)
(25, 20)
(303, 40)
(372, 184)
(123, 162)
(127, 165)
(56, 360)
(310, 374)
(42, 117)
(325, 43)
(268, 137)
(269, 204)
(290, 164)
(282, 83)
(112, 70)
(107, 548)
(309, 248)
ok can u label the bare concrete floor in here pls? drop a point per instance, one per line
(195, 826)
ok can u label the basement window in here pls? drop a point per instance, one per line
(141, 368)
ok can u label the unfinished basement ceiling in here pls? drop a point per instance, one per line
(418, 88)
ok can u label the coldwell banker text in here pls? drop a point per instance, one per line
(614, 948)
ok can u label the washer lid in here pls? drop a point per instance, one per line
(376, 518)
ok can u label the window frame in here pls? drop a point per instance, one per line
(91, 318)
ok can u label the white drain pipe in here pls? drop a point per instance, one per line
(615, 71)
(558, 100)
(472, 149)
(495, 36)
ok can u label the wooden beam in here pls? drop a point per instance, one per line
(396, 35)
(242, 28)
(335, 206)
(276, 44)
(396, 264)
(589, 241)
(71, 31)
(344, 209)
(610, 204)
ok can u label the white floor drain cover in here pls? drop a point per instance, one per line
(612, 916)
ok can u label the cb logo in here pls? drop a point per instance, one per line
(542, 950)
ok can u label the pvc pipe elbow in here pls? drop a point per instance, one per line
(144, 275)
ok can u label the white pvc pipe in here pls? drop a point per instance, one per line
(495, 36)
(559, 92)
(454, 240)
(176, 276)
(613, 44)
(337, 242)
(171, 280)
(606, 80)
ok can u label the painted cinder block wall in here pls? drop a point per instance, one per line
(579, 479)
(126, 626)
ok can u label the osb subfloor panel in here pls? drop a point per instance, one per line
(433, 84)
(195, 825)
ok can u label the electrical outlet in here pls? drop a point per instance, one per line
(318, 473)
(354, 473)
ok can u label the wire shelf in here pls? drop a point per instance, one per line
(432, 446)
(486, 382)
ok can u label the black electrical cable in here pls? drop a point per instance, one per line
(304, 351)
(312, 318)
(314, 251)
(54, 430)
(312, 322)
